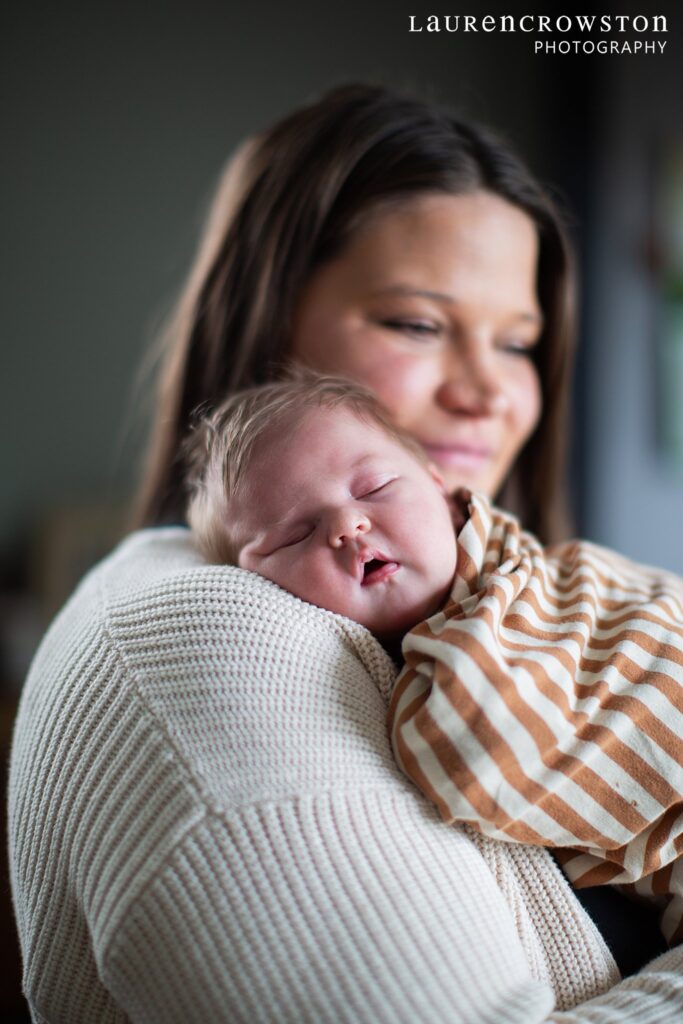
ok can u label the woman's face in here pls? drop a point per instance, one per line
(433, 306)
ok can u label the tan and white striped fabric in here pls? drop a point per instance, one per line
(544, 705)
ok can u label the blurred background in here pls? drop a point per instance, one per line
(116, 121)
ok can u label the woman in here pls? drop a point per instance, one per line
(206, 820)
(292, 201)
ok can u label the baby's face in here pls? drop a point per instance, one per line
(341, 515)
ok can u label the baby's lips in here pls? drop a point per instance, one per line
(368, 554)
(383, 572)
(375, 566)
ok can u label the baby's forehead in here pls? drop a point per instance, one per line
(325, 418)
(340, 419)
(336, 438)
(292, 458)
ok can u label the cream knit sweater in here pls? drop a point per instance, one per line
(207, 825)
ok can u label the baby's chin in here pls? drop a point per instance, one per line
(391, 633)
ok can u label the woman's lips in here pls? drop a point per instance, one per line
(470, 457)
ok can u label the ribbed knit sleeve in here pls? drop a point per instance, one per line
(207, 824)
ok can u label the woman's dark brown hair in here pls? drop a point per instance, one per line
(288, 201)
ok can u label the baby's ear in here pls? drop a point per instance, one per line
(436, 476)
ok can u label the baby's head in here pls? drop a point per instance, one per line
(307, 482)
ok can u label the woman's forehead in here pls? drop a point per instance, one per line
(467, 248)
(443, 219)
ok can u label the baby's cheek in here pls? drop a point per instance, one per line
(304, 578)
(441, 545)
(421, 529)
(327, 592)
(282, 569)
(296, 581)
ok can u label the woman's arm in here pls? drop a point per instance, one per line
(325, 911)
(653, 996)
(207, 825)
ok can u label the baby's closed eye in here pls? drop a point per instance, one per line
(369, 488)
(297, 537)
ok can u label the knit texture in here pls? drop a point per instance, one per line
(207, 824)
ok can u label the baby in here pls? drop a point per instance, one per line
(308, 483)
(540, 700)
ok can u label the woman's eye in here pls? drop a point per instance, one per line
(423, 328)
(517, 346)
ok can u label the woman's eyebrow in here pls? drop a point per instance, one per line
(423, 293)
(535, 318)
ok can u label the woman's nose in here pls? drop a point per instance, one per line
(473, 385)
(345, 525)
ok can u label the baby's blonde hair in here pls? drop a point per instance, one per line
(221, 446)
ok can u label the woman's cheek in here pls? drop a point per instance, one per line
(528, 401)
(400, 381)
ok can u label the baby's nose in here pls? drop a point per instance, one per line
(346, 525)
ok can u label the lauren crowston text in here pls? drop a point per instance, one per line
(629, 30)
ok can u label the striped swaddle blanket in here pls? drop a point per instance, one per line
(544, 705)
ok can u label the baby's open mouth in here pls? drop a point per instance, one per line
(377, 569)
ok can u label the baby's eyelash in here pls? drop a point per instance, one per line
(297, 538)
(377, 488)
(288, 542)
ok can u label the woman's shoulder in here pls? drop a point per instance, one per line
(156, 585)
(214, 658)
(143, 560)
(168, 692)
(156, 592)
